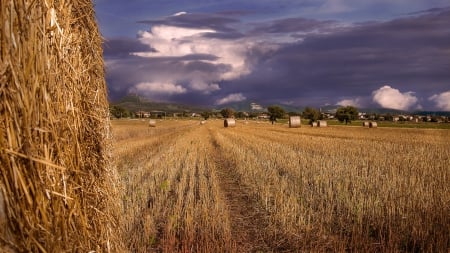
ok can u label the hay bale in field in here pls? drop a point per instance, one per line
(322, 123)
(229, 122)
(366, 124)
(56, 181)
(294, 121)
(373, 124)
(152, 123)
(202, 122)
(313, 124)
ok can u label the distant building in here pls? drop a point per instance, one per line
(263, 116)
(142, 114)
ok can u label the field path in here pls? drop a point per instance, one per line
(249, 221)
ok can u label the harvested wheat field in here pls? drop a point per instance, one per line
(264, 188)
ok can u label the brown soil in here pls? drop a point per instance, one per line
(250, 225)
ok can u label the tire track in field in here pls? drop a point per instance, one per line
(249, 221)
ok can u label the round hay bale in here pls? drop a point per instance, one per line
(202, 122)
(57, 182)
(313, 124)
(366, 124)
(373, 124)
(152, 123)
(322, 123)
(294, 121)
(229, 122)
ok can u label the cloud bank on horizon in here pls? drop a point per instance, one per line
(305, 55)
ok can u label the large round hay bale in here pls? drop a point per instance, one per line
(55, 175)
(294, 121)
(322, 123)
(313, 124)
(373, 124)
(366, 124)
(229, 122)
(152, 123)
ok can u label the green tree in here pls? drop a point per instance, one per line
(388, 117)
(227, 112)
(241, 115)
(119, 112)
(346, 114)
(275, 112)
(311, 114)
(294, 114)
(206, 114)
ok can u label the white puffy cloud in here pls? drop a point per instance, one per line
(235, 97)
(356, 102)
(172, 41)
(159, 88)
(179, 13)
(200, 85)
(392, 98)
(442, 100)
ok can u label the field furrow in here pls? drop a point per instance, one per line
(249, 220)
(255, 187)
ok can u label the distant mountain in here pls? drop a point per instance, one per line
(400, 112)
(433, 113)
(247, 106)
(136, 103)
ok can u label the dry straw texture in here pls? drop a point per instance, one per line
(373, 124)
(314, 124)
(366, 124)
(294, 121)
(229, 122)
(55, 174)
(152, 123)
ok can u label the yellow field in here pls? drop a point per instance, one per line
(189, 187)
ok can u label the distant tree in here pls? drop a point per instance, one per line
(434, 118)
(206, 114)
(119, 112)
(311, 114)
(275, 112)
(347, 114)
(241, 115)
(227, 112)
(186, 113)
(388, 117)
(252, 114)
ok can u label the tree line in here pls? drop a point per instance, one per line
(343, 114)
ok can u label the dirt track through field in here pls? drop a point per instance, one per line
(248, 222)
(250, 225)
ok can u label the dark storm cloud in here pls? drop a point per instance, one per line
(123, 74)
(428, 11)
(290, 25)
(123, 46)
(328, 65)
(196, 20)
(412, 54)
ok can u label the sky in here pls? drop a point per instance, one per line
(366, 53)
